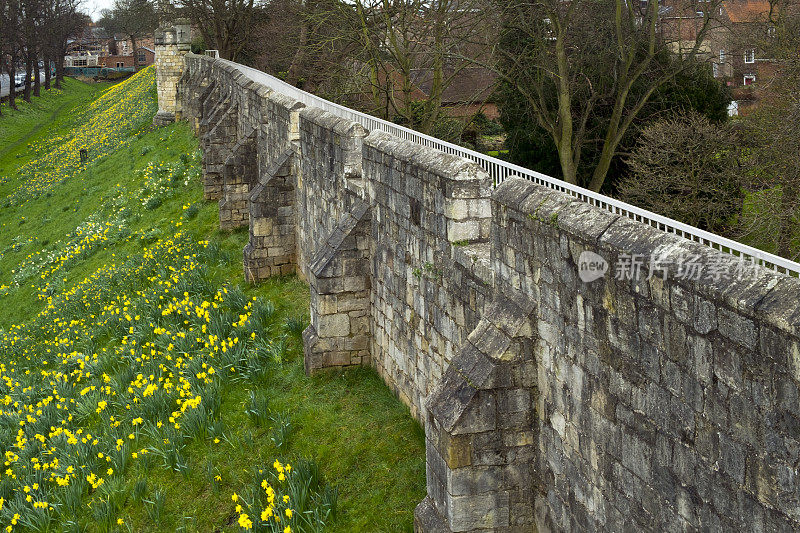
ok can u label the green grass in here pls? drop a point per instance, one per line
(362, 437)
(759, 228)
(38, 119)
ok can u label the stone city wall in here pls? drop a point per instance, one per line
(664, 403)
(652, 402)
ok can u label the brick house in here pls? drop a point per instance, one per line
(739, 59)
(122, 45)
(732, 44)
(145, 57)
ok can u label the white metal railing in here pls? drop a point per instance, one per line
(500, 170)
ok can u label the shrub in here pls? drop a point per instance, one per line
(686, 168)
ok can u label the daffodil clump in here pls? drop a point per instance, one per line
(116, 382)
(283, 499)
(127, 366)
(159, 179)
(106, 227)
(88, 237)
(102, 127)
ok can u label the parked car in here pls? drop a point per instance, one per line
(19, 80)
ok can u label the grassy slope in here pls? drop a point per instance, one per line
(361, 436)
(32, 120)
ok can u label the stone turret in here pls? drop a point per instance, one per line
(172, 43)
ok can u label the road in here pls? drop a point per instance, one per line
(4, 85)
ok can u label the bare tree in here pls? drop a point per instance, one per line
(304, 9)
(568, 59)
(135, 19)
(11, 23)
(395, 46)
(63, 20)
(226, 25)
(773, 163)
(276, 40)
(4, 45)
(772, 133)
(36, 31)
(688, 169)
(31, 12)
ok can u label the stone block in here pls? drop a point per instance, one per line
(463, 231)
(337, 325)
(737, 328)
(479, 511)
(474, 480)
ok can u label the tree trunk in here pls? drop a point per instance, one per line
(434, 102)
(135, 54)
(601, 170)
(12, 90)
(60, 66)
(37, 77)
(296, 66)
(786, 216)
(293, 75)
(1, 84)
(26, 94)
(564, 126)
(46, 72)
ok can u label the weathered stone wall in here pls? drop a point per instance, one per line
(331, 157)
(642, 403)
(194, 90)
(271, 249)
(333, 223)
(429, 260)
(662, 405)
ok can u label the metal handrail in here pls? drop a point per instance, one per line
(499, 170)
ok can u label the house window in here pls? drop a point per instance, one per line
(722, 55)
(142, 58)
(750, 56)
(749, 79)
(771, 31)
(120, 64)
(80, 63)
(715, 68)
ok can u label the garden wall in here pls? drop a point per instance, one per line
(658, 394)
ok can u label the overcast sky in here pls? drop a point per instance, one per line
(94, 7)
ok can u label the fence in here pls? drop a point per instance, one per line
(91, 72)
(500, 170)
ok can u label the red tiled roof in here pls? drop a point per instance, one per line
(747, 10)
